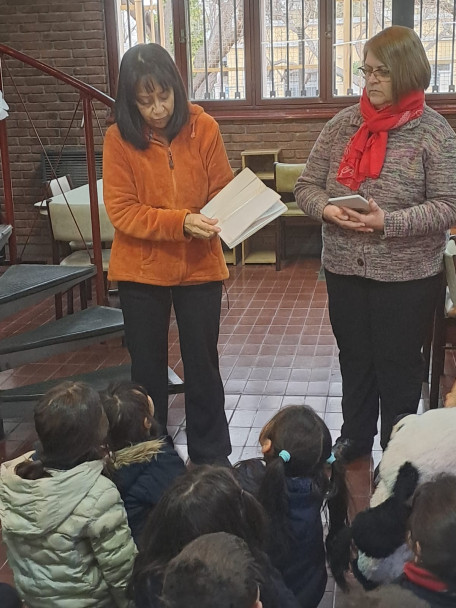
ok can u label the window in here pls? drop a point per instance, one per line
(281, 54)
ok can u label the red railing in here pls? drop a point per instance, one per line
(87, 95)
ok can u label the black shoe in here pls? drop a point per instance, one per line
(348, 450)
(220, 461)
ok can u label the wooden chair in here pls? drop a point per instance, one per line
(444, 329)
(75, 227)
(285, 178)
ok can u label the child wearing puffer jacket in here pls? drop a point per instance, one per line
(143, 463)
(63, 522)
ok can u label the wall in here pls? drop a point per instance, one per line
(295, 138)
(68, 35)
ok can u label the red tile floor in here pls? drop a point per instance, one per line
(276, 348)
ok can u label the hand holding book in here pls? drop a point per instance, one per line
(199, 226)
(244, 206)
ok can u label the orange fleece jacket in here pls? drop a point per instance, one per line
(148, 194)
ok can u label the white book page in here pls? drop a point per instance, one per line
(239, 221)
(240, 190)
(277, 209)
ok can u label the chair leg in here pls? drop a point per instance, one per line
(58, 305)
(279, 244)
(427, 353)
(70, 302)
(83, 294)
(438, 352)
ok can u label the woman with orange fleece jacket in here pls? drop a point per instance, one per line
(163, 160)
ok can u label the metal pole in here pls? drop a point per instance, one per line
(92, 178)
(7, 183)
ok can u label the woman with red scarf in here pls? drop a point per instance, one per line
(383, 268)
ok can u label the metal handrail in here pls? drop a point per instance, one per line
(87, 94)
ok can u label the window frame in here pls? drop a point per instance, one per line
(254, 107)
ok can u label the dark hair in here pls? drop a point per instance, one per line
(204, 500)
(127, 406)
(146, 64)
(71, 425)
(400, 49)
(213, 570)
(432, 524)
(302, 433)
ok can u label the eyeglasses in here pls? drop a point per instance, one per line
(379, 73)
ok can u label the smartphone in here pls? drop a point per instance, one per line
(352, 201)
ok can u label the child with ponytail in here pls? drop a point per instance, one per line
(296, 478)
(63, 522)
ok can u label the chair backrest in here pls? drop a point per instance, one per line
(64, 227)
(57, 186)
(286, 175)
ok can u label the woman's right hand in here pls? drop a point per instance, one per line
(199, 226)
(337, 215)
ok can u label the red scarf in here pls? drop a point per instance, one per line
(365, 152)
(423, 578)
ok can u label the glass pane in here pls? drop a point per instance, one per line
(145, 21)
(435, 24)
(355, 22)
(289, 48)
(216, 49)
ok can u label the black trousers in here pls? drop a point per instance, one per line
(147, 310)
(380, 328)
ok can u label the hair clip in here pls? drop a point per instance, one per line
(284, 455)
(331, 459)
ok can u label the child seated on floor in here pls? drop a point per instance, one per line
(206, 499)
(296, 479)
(143, 464)
(63, 522)
(431, 575)
(213, 570)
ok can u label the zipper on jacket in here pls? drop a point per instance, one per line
(170, 159)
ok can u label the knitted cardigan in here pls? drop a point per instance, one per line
(416, 189)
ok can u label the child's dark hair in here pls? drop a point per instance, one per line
(204, 500)
(146, 64)
(432, 525)
(127, 407)
(299, 431)
(213, 570)
(71, 425)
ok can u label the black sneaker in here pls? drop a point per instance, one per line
(348, 450)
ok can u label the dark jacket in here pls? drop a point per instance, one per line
(142, 473)
(436, 599)
(273, 591)
(9, 597)
(303, 563)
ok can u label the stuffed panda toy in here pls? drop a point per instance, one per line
(421, 447)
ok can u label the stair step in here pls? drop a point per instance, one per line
(24, 285)
(5, 233)
(19, 402)
(66, 334)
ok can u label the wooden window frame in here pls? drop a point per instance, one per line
(254, 107)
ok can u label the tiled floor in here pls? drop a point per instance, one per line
(276, 348)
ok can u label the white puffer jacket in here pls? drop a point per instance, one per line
(427, 441)
(67, 537)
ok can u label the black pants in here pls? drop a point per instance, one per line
(147, 310)
(380, 329)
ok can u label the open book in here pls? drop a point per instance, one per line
(243, 207)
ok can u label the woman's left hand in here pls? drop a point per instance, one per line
(373, 220)
(200, 226)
